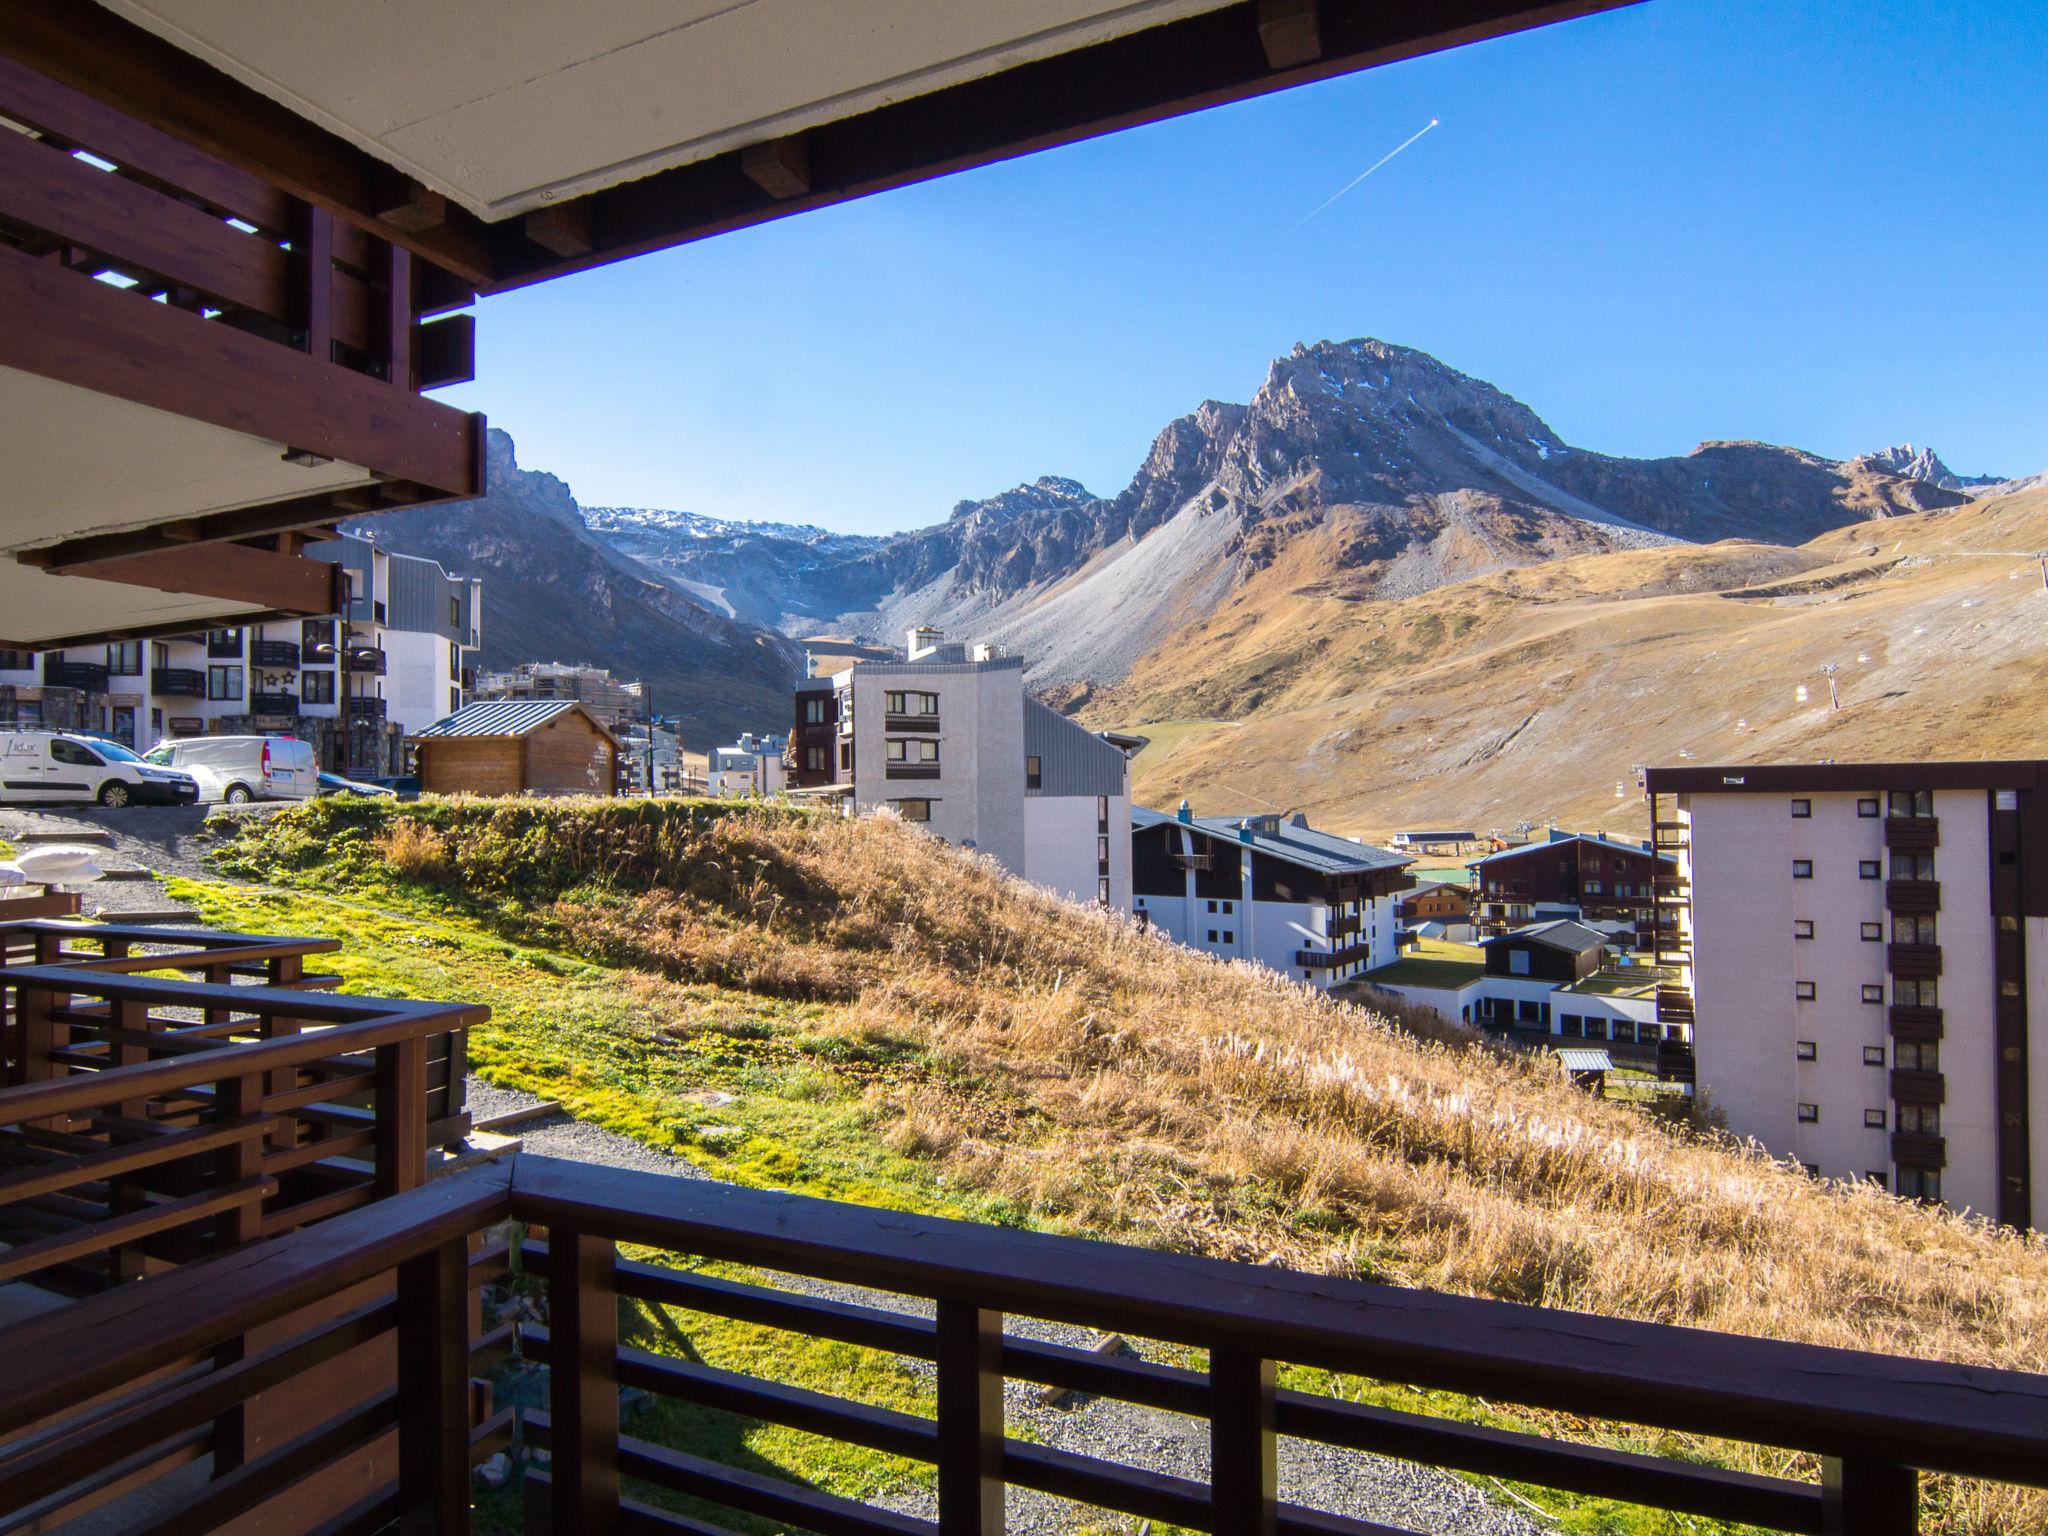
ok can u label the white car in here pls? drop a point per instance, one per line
(238, 769)
(42, 766)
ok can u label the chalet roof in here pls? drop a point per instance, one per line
(506, 717)
(1597, 839)
(1324, 852)
(1562, 933)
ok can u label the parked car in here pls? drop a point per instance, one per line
(42, 766)
(238, 769)
(335, 784)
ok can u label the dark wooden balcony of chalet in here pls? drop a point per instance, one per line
(1913, 1086)
(273, 703)
(1918, 961)
(282, 655)
(1915, 896)
(1912, 834)
(87, 676)
(1913, 1021)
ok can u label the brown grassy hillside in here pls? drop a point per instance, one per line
(1532, 693)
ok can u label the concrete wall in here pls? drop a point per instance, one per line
(1969, 992)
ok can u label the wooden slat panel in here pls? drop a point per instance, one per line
(127, 1159)
(583, 1388)
(41, 102)
(433, 1384)
(130, 1227)
(135, 227)
(306, 1212)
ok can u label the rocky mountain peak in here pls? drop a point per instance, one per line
(1046, 493)
(1924, 464)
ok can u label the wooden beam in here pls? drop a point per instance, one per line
(447, 351)
(64, 326)
(779, 167)
(94, 52)
(237, 573)
(563, 228)
(1290, 32)
(403, 204)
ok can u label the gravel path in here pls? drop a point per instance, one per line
(1409, 1497)
(163, 840)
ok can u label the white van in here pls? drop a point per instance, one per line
(41, 766)
(239, 769)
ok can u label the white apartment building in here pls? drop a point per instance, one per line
(753, 765)
(949, 739)
(1271, 889)
(1862, 948)
(403, 664)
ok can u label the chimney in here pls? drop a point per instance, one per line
(983, 651)
(923, 641)
(1244, 830)
(1184, 813)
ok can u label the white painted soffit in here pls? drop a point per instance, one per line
(75, 462)
(508, 105)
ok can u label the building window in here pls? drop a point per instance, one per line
(1873, 1119)
(1102, 850)
(224, 682)
(1873, 992)
(1911, 802)
(817, 711)
(1212, 906)
(913, 810)
(1869, 869)
(1809, 1114)
(2008, 989)
(1802, 928)
(1212, 935)
(816, 760)
(1912, 866)
(1920, 1119)
(1518, 962)
(899, 749)
(1804, 991)
(124, 658)
(1867, 807)
(1873, 933)
(1909, 993)
(1920, 1183)
(846, 756)
(1913, 928)
(316, 687)
(1873, 1055)
(1229, 907)
(314, 633)
(1914, 1056)
(1801, 809)
(1806, 1050)
(17, 661)
(1102, 813)
(1034, 773)
(896, 702)
(1592, 887)
(1229, 936)
(1102, 891)
(1802, 869)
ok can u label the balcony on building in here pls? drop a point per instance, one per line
(177, 682)
(224, 644)
(1914, 1022)
(1913, 960)
(273, 703)
(365, 660)
(1910, 1150)
(366, 708)
(281, 654)
(1912, 895)
(1912, 834)
(1911, 1086)
(88, 676)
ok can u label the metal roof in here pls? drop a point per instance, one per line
(1561, 933)
(500, 717)
(1578, 1058)
(1598, 839)
(1324, 852)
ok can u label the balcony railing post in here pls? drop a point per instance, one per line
(401, 1116)
(1868, 1498)
(1243, 1477)
(583, 1383)
(970, 1393)
(433, 1391)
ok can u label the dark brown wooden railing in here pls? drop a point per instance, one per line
(167, 1120)
(1874, 1421)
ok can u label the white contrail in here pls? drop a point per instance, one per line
(1354, 181)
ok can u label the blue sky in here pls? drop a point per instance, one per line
(1821, 224)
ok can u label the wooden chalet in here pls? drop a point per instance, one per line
(518, 747)
(239, 241)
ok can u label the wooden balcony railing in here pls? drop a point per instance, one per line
(1913, 960)
(1874, 1421)
(1915, 1022)
(1913, 1086)
(1912, 834)
(178, 682)
(1912, 895)
(162, 1121)
(282, 654)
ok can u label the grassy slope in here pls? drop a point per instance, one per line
(1532, 693)
(901, 1024)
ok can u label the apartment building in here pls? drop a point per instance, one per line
(753, 765)
(948, 738)
(1582, 876)
(402, 664)
(1863, 947)
(614, 701)
(1272, 889)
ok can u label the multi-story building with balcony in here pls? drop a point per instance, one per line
(949, 739)
(1861, 949)
(1580, 876)
(1272, 889)
(403, 663)
(613, 700)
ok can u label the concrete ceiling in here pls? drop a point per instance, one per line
(41, 610)
(507, 105)
(75, 462)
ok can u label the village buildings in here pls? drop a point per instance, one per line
(1578, 875)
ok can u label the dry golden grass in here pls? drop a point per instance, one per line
(1123, 1086)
